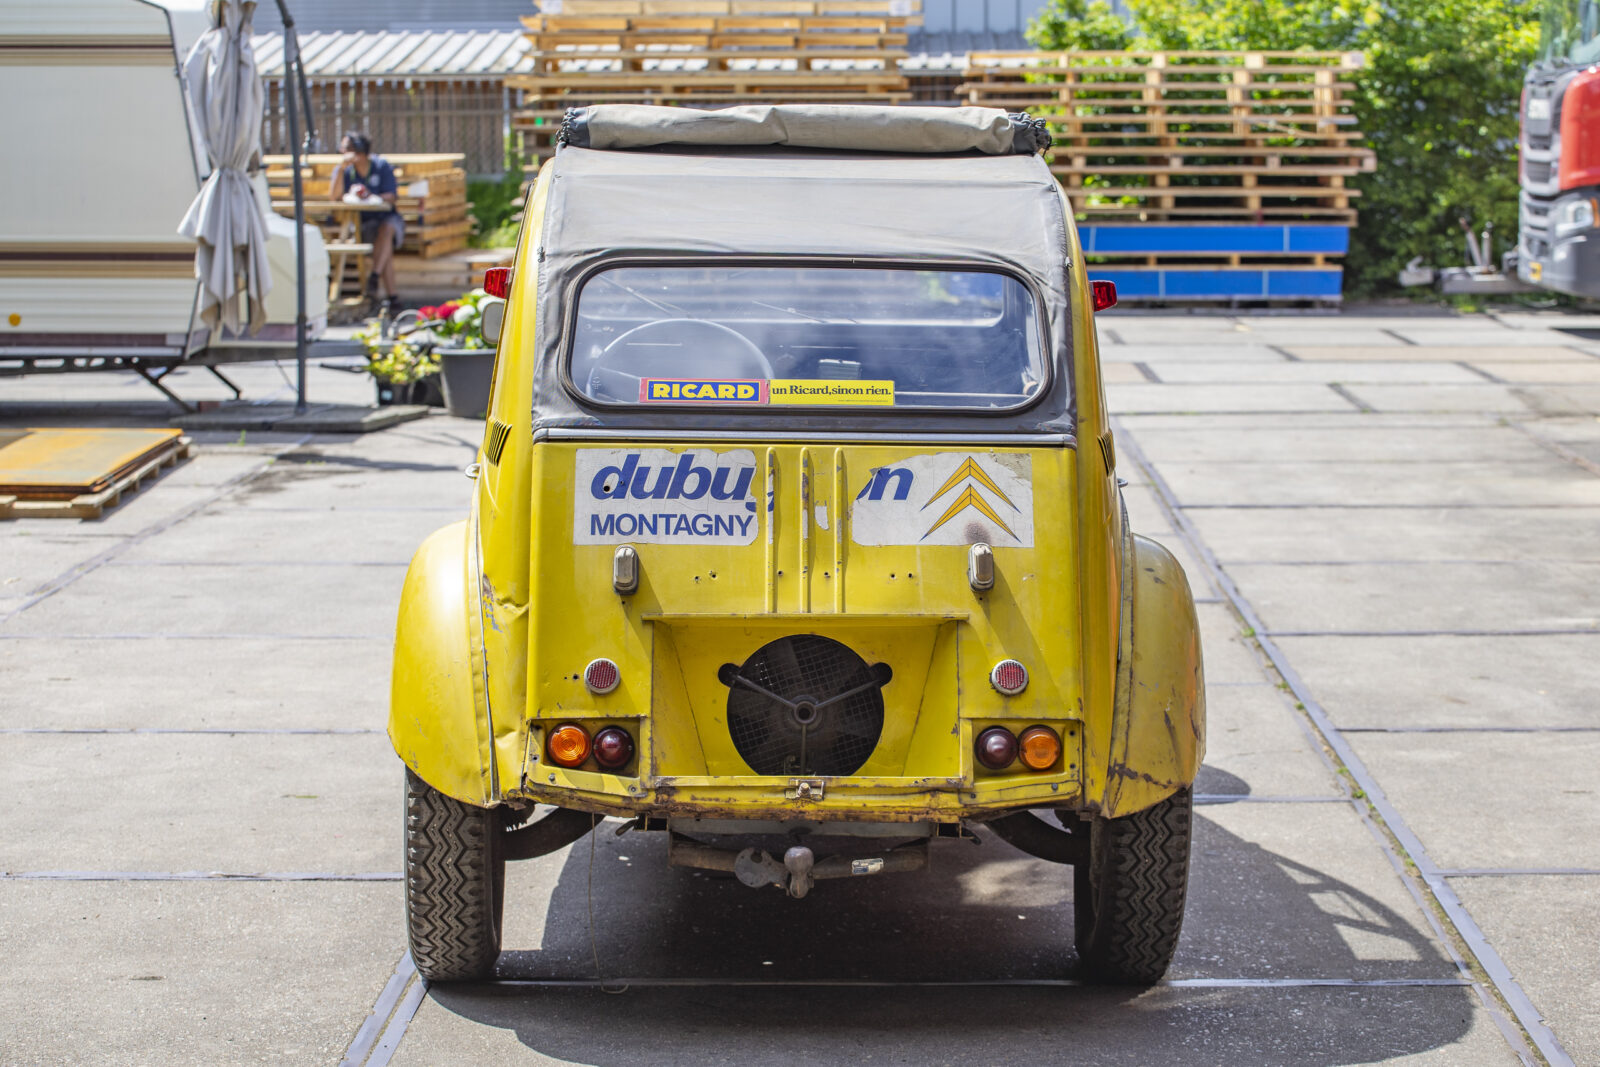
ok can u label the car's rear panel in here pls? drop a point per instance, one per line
(801, 566)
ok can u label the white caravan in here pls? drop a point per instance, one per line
(98, 166)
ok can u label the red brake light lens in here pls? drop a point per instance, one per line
(1104, 294)
(1009, 677)
(601, 676)
(613, 748)
(497, 282)
(996, 748)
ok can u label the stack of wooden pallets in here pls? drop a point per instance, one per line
(1197, 175)
(433, 198)
(709, 53)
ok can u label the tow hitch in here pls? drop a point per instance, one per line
(799, 868)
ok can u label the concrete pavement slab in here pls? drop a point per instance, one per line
(1493, 799)
(1352, 443)
(1122, 372)
(225, 534)
(1004, 1026)
(1229, 657)
(30, 558)
(1346, 535)
(200, 683)
(1186, 330)
(186, 802)
(1401, 483)
(1547, 931)
(1587, 371)
(1484, 396)
(1549, 400)
(155, 503)
(1146, 514)
(325, 485)
(1256, 747)
(1193, 399)
(1421, 597)
(208, 599)
(190, 973)
(1233, 352)
(1449, 682)
(1191, 371)
(1458, 350)
(1475, 330)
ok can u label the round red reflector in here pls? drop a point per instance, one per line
(613, 748)
(996, 748)
(601, 676)
(568, 745)
(1009, 677)
(1039, 748)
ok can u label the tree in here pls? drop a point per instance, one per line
(1437, 101)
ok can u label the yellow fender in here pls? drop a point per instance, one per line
(1158, 727)
(438, 717)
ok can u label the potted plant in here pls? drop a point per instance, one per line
(403, 367)
(466, 362)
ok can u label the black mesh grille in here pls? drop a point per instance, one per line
(797, 726)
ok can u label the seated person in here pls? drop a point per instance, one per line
(371, 175)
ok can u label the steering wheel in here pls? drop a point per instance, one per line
(704, 349)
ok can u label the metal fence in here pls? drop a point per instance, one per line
(472, 116)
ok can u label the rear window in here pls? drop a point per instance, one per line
(812, 336)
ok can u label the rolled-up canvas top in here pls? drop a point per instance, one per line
(854, 127)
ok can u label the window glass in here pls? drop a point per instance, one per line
(811, 336)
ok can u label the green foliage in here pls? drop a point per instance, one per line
(1437, 101)
(1083, 25)
(494, 203)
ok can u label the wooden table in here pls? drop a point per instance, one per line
(348, 241)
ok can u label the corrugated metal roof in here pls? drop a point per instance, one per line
(484, 54)
(461, 54)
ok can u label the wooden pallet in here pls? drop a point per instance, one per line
(432, 200)
(93, 505)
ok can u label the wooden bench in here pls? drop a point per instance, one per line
(340, 256)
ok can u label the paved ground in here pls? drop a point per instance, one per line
(1391, 521)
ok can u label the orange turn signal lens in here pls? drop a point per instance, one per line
(1039, 748)
(568, 745)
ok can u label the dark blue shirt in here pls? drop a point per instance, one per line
(379, 179)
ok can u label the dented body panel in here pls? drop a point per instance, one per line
(851, 530)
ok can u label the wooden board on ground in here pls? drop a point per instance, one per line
(78, 473)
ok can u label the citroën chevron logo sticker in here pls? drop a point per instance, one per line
(951, 498)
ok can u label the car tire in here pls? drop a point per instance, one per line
(455, 878)
(1128, 899)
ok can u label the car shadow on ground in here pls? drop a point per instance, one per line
(764, 975)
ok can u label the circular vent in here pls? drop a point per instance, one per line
(805, 705)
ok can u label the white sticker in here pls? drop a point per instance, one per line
(952, 498)
(663, 497)
(872, 866)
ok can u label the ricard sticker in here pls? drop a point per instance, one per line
(663, 497)
(952, 498)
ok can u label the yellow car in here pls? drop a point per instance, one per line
(797, 536)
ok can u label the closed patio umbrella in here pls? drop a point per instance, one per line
(225, 96)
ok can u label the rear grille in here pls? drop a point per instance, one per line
(805, 705)
(1536, 172)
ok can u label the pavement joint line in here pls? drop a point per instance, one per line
(1470, 729)
(1480, 372)
(975, 983)
(371, 1027)
(95, 562)
(1565, 632)
(204, 730)
(1556, 448)
(1402, 338)
(395, 1032)
(196, 876)
(1499, 975)
(1518, 872)
(1339, 389)
(1285, 353)
(1148, 371)
(1116, 338)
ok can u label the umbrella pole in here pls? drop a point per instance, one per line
(291, 59)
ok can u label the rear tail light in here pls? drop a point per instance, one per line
(497, 282)
(613, 748)
(1104, 294)
(996, 748)
(1039, 748)
(568, 745)
(601, 676)
(1009, 677)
